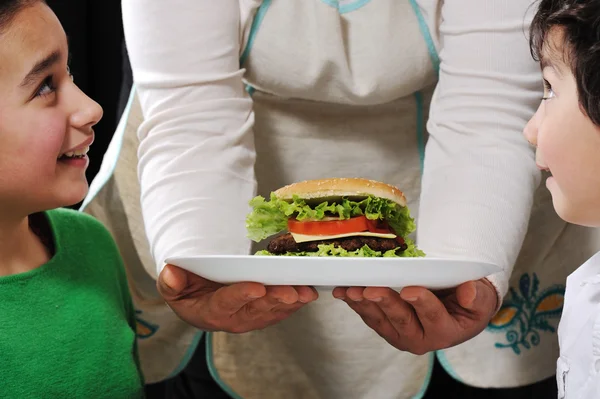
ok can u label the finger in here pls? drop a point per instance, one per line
(374, 317)
(466, 294)
(258, 309)
(375, 294)
(275, 295)
(272, 302)
(282, 294)
(479, 297)
(432, 313)
(306, 294)
(278, 313)
(400, 314)
(355, 293)
(445, 292)
(339, 292)
(230, 299)
(174, 282)
(171, 281)
(249, 320)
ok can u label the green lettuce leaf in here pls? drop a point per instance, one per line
(270, 217)
(365, 252)
(266, 218)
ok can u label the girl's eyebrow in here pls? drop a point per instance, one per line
(550, 61)
(40, 68)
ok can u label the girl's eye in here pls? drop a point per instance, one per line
(548, 92)
(47, 87)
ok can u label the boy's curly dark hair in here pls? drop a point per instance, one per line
(579, 21)
(10, 8)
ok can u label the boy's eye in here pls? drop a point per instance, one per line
(548, 92)
(47, 87)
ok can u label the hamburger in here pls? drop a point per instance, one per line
(348, 217)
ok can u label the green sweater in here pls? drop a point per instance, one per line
(67, 328)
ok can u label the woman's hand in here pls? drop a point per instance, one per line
(418, 321)
(235, 308)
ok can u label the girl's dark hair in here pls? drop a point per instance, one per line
(579, 22)
(10, 8)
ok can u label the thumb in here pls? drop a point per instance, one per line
(466, 295)
(172, 281)
(477, 296)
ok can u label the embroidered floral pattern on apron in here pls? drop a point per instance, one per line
(143, 328)
(526, 312)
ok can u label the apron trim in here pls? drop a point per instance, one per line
(346, 8)
(258, 18)
(433, 55)
(213, 370)
(105, 176)
(188, 355)
(427, 380)
(215, 373)
(441, 356)
(352, 7)
(420, 129)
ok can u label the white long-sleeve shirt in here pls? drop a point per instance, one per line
(322, 87)
(197, 154)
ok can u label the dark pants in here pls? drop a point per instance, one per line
(195, 382)
(443, 386)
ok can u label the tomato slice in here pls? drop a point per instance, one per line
(379, 226)
(330, 227)
(334, 227)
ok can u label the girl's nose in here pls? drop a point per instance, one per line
(87, 112)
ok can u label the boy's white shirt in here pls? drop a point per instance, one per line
(578, 368)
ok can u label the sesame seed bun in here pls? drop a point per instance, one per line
(331, 189)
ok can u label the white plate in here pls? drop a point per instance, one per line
(432, 273)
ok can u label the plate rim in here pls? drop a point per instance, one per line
(172, 259)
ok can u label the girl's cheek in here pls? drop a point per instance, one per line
(48, 137)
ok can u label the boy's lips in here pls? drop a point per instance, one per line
(540, 163)
(542, 168)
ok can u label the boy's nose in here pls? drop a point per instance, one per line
(530, 133)
(531, 129)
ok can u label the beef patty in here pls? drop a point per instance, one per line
(286, 243)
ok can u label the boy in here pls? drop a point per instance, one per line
(565, 38)
(67, 321)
